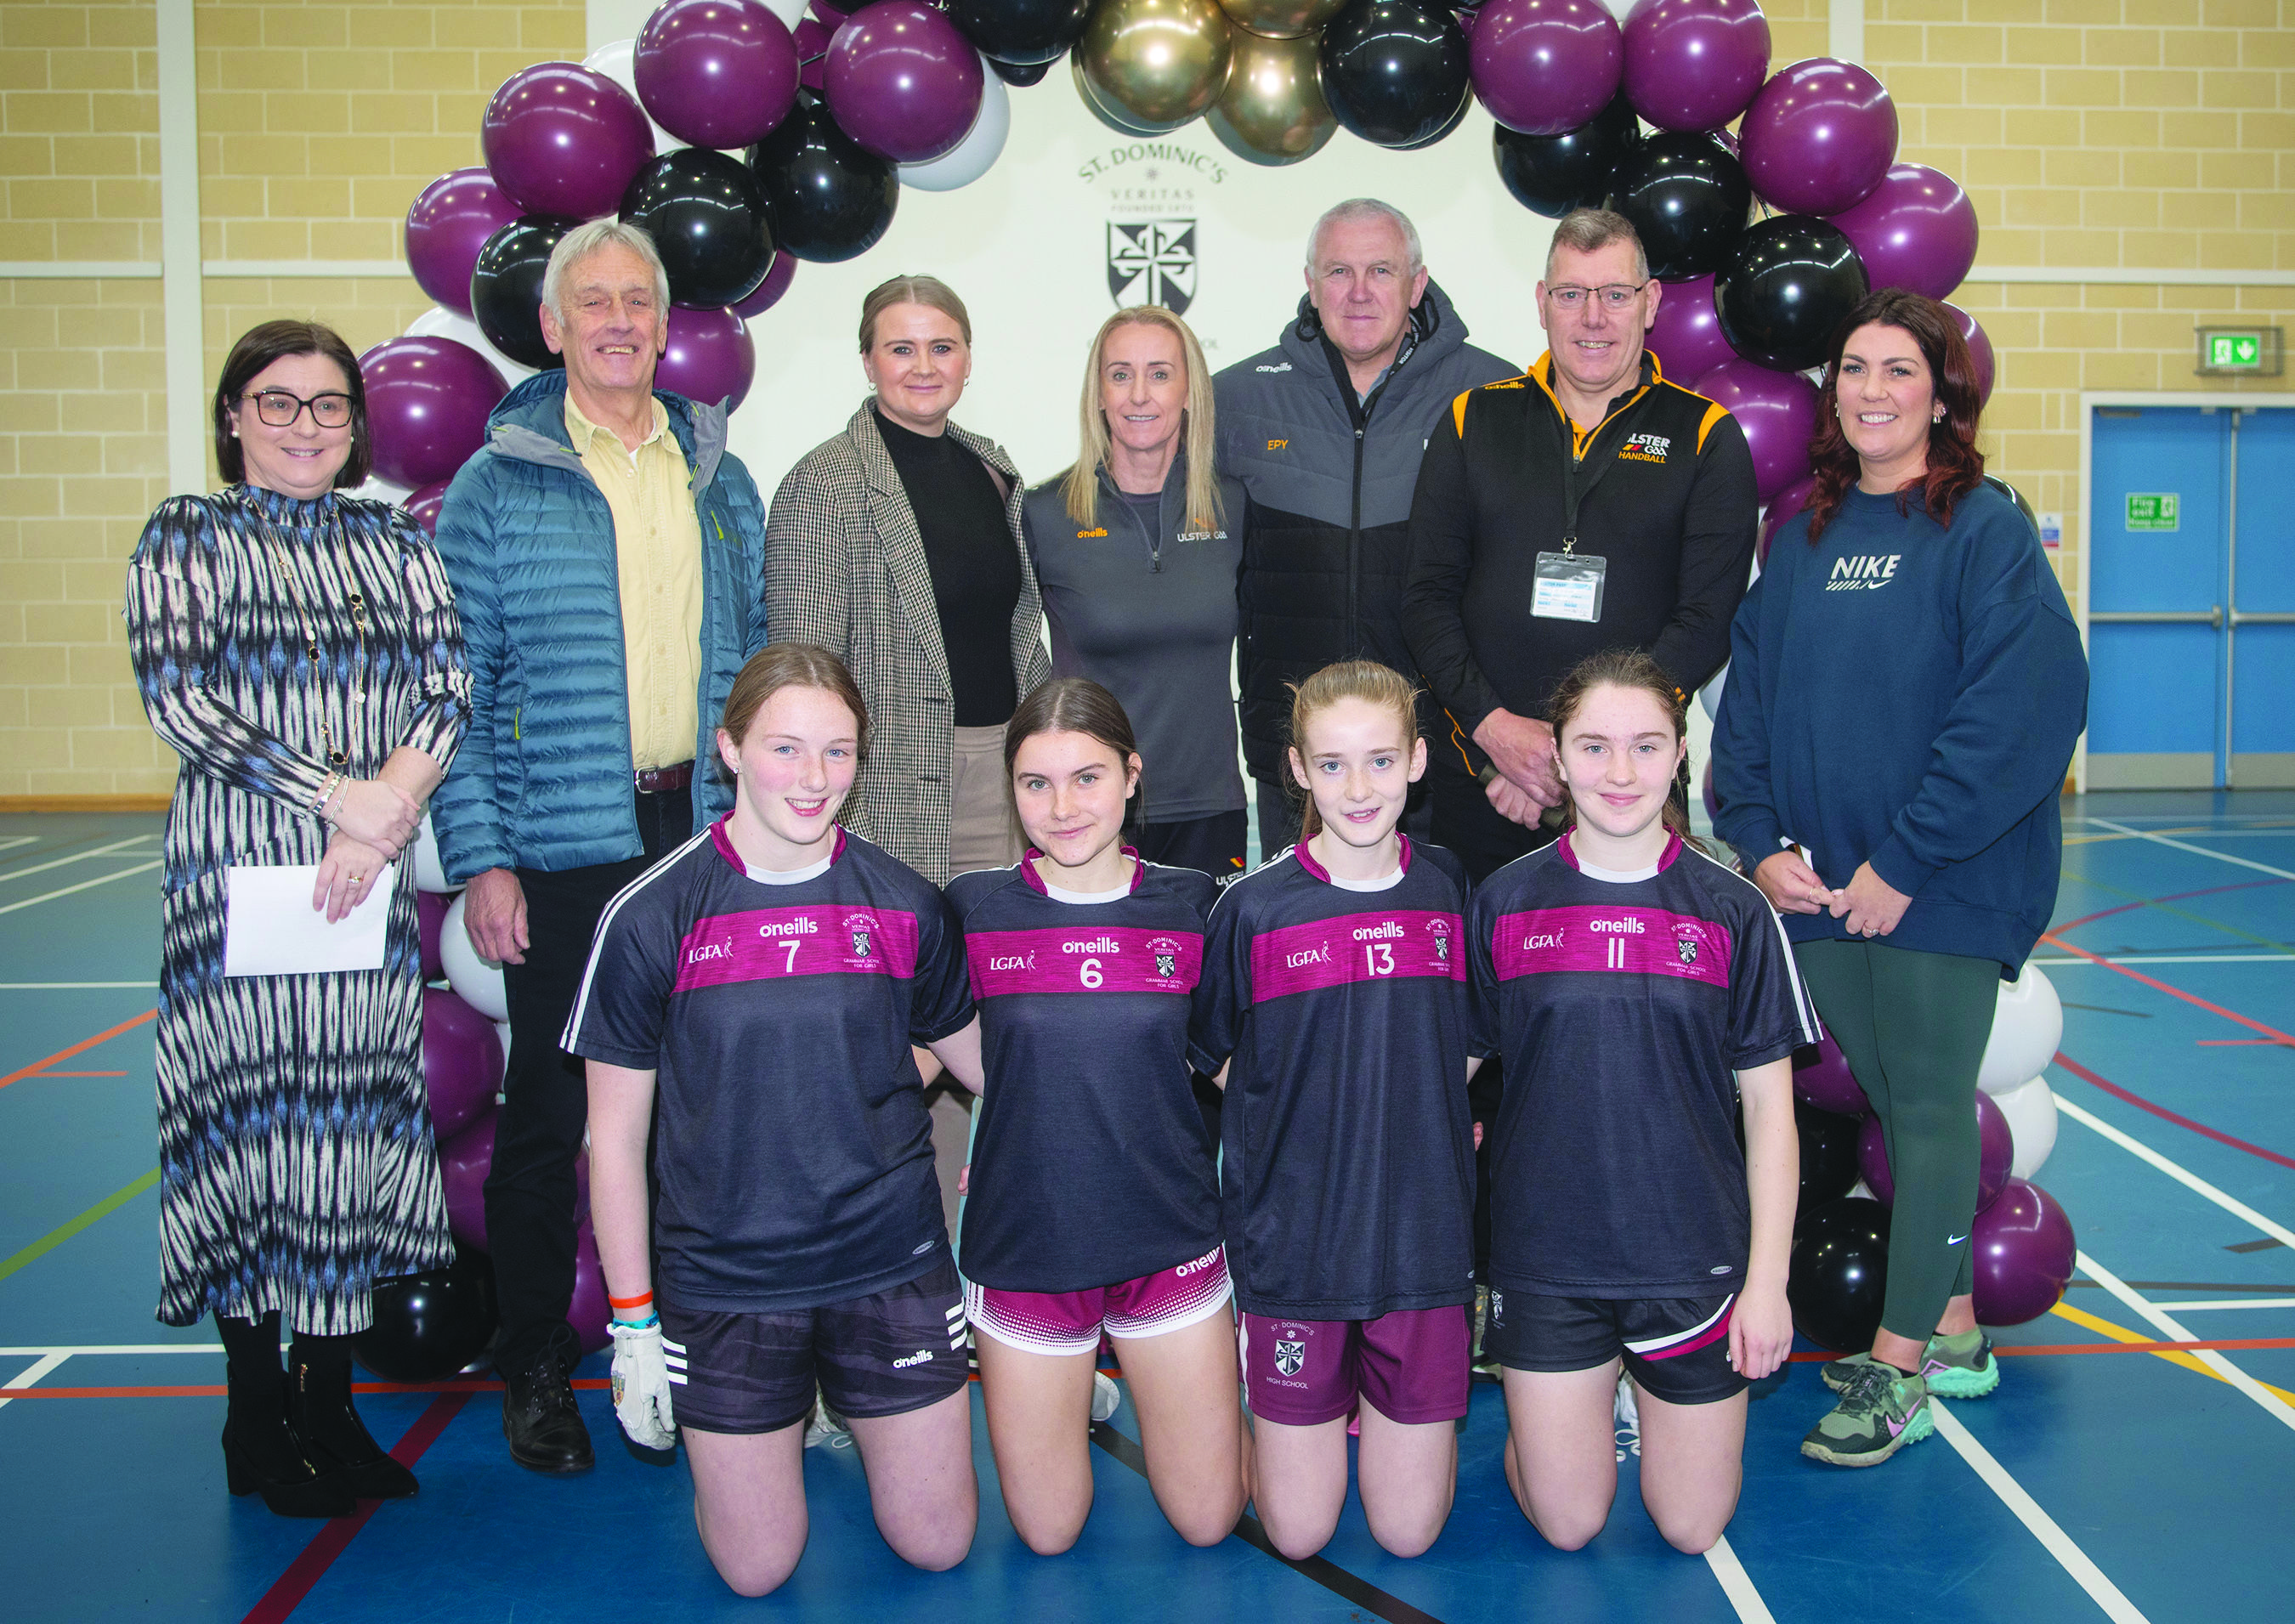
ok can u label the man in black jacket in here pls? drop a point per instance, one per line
(1325, 432)
(1586, 504)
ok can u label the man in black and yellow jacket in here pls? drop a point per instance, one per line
(1589, 503)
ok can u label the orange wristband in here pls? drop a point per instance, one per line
(631, 1302)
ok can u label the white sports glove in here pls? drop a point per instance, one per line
(641, 1387)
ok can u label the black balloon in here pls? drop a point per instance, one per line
(707, 218)
(1023, 33)
(1686, 197)
(830, 200)
(428, 1326)
(1018, 75)
(1447, 126)
(2016, 497)
(1828, 1155)
(1395, 71)
(1552, 175)
(1839, 1273)
(1785, 288)
(506, 287)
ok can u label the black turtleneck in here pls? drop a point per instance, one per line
(975, 564)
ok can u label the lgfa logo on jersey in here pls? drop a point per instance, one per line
(1868, 573)
(1012, 961)
(1645, 448)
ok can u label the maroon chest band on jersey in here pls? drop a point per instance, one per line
(1356, 947)
(815, 939)
(1110, 958)
(1639, 940)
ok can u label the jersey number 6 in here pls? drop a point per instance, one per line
(1089, 975)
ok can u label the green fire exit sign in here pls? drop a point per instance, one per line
(2154, 510)
(2239, 352)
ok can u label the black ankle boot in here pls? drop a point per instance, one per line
(260, 1451)
(320, 1410)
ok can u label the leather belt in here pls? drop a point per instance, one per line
(663, 780)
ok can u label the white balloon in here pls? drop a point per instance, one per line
(501, 1031)
(1710, 696)
(377, 489)
(429, 868)
(618, 62)
(790, 11)
(2028, 1024)
(1862, 1191)
(440, 322)
(970, 159)
(477, 982)
(2031, 1108)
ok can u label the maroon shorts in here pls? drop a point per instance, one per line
(1410, 1366)
(1070, 1322)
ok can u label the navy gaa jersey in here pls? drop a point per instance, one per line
(1090, 1164)
(1624, 1008)
(1348, 1166)
(793, 1159)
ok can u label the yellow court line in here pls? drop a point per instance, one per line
(2121, 1333)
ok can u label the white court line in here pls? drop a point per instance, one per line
(1738, 1585)
(2274, 1406)
(2197, 851)
(67, 986)
(2191, 1181)
(9, 842)
(2058, 1544)
(62, 1349)
(58, 862)
(2173, 959)
(2233, 1302)
(104, 879)
(32, 1374)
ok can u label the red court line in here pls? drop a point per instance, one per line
(333, 1539)
(79, 1048)
(2165, 1115)
(2178, 896)
(81, 1074)
(2161, 987)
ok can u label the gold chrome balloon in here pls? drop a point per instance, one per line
(1120, 123)
(1156, 61)
(1273, 111)
(1281, 19)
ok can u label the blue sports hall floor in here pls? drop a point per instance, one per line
(2110, 1476)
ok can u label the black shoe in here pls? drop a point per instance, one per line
(541, 1422)
(270, 1462)
(320, 1410)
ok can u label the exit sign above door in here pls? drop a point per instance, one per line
(2239, 352)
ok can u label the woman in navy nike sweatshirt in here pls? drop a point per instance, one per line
(1906, 685)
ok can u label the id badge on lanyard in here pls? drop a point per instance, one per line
(1568, 584)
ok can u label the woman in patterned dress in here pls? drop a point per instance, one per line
(298, 648)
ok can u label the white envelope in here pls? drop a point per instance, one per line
(270, 927)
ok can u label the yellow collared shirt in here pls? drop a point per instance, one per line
(657, 557)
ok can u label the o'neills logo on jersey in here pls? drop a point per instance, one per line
(1628, 927)
(1386, 931)
(1011, 961)
(1645, 448)
(1166, 953)
(860, 927)
(1098, 945)
(1868, 573)
(804, 927)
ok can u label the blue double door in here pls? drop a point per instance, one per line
(2192, 598)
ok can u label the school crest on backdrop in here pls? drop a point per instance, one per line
(1152, 262)
(1154, 192)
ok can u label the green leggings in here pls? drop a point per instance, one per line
(1913, 1028)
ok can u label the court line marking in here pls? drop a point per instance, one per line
(2125, 1341)
(69, 986)
(35, 1352)
(2197, 851)
(82, 1047)
(30, 1374)
(104, 879)
(2160, 986)
(2058, 1544)
(2191, 1181)
(9, 842)
(2274, 1406)
(2230, 1302)
(57, 1236)
(2110, 960)
(2128, 1096)
(1737, 1585)
(58, 862)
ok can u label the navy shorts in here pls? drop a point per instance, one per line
(1677, 1348)
(886, 1354)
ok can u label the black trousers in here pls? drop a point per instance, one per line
(530, 1189)
(1214, 844)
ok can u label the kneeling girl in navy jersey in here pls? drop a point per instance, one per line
(1334, 998)
(1093, 1204)
(753, 996)
(1639, 991)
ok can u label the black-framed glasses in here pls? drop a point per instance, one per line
(280, 409)
(1613, 296)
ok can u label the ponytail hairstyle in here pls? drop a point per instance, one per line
(1628, 668)
(1365, 680)
(792, 666)
(1078, 704)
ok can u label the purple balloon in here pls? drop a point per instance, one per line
(462, 1163)
(717, 73)
(1686, 335)
(430, 914)
(1995, 1151)
(462, 1062)
(778, 277)
(423, 504)
(1789, 501)
(813, 37)
(711, 357)
(2024, 1255)
(1778, 411)
(1543, 66)
(1819, 137)
(562, 139)
(450, 221)
(427, 404)
(902, 81)
(1826, 1081)
(588, 1310)
(1705, 792)
(1917, 231)
(1980, 351)
(1695, 64)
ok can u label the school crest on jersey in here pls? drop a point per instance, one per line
(1686, 948)
(1290, 1358)
(1166, 953)
(860, 927)
(1440, 929)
